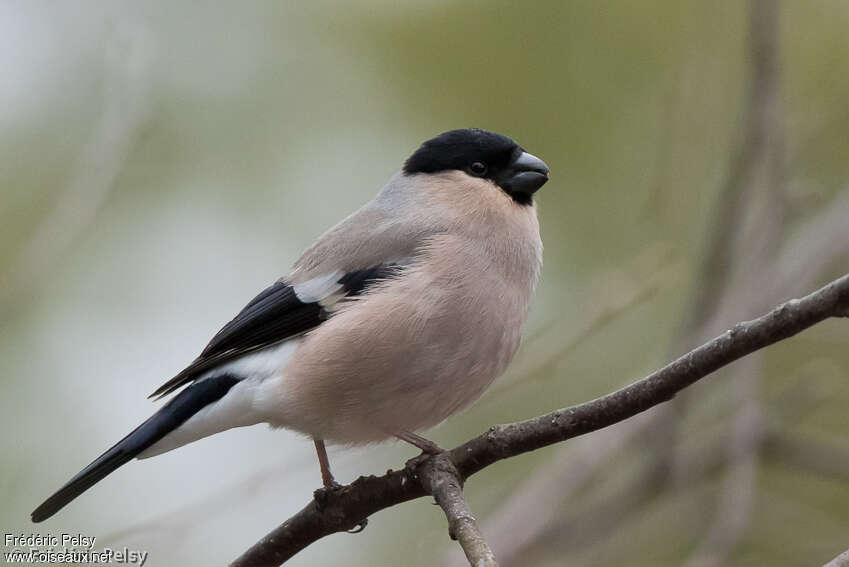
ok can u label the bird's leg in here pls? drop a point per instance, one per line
(322, 494)
(324, 463)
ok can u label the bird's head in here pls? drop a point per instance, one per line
(483, 155)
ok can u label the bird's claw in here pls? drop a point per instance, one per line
(322, 495)
(359, 527)
(415, 462)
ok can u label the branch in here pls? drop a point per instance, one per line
(345, 508)
(444, 482)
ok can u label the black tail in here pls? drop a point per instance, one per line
(172, 415)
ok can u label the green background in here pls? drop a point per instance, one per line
(161, 162)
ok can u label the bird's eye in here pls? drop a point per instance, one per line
(478, 168)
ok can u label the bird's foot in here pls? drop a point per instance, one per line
(322, 498)
(323, 494)
(359, 527)
(414, 463)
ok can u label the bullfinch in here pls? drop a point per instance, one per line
(396, 318)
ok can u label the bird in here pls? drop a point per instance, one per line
(396, 318)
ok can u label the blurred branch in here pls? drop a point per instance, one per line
(606, 312)
(700, 458)
(538, 519)
(745, 241)
(819, 242)
(827, 460)
(610, 513)
(735, 502)
(757, 165)
(126, 107)
(758, 170)
(532, 508)
(670, 117)
(728, 247)
(579, 530)
(175, 525)
(344, 508)
(841, 560)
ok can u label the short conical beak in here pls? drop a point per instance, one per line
(529, 173)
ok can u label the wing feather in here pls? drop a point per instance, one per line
(277, 314)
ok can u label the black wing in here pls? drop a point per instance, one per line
(273, 316)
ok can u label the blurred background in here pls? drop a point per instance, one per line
(162, 162)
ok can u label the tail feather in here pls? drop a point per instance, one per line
(172, 415)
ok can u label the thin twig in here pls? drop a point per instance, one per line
(344, 508)
(543, 356)
(441, 478)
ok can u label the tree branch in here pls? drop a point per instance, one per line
(444, 482)
(344, 508)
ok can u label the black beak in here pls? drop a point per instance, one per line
(528, 174)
